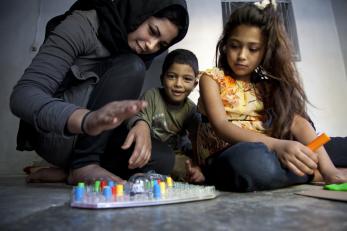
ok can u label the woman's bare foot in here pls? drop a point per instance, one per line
(91, 173)
(45, 175)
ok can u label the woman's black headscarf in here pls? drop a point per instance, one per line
(117, 18)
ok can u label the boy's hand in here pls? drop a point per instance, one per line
(140, 134)
(296, 157)
(194, 173)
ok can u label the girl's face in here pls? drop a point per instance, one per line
(152, 35)
(245, 51)
(178, 82)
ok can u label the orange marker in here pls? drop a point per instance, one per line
(319, 141)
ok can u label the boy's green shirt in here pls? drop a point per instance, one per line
(167, 122)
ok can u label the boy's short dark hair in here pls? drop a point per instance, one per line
(181, 56)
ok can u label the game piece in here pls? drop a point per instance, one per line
(336, 187)
(142, 189)
(319, 141)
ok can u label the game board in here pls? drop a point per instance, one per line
(140, 190)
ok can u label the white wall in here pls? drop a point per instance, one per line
(205, 28)
(322, 66)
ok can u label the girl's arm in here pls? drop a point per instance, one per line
(295, 156)
(214, 108)
(304, 133)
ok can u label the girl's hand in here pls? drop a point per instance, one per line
(140, 134)
(296, 157)
(194, 173)
(111, 115)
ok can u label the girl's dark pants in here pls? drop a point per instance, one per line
(249, 167)
(120, 79)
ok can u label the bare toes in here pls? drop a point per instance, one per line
(91, 173)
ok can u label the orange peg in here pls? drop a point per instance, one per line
(319, 141)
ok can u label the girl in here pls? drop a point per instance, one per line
(86, 78)
(255, 126)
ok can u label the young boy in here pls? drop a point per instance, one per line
(169, 115)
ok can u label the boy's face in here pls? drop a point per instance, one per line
(178, 81)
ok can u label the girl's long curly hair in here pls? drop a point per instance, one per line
(282, 93)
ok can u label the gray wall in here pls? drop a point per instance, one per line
(340, 12)
(22, 28)
(322, 40)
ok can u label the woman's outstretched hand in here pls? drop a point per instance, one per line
(296, 157)
(108, 117)
(140, 135)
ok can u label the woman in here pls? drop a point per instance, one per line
(86, 78)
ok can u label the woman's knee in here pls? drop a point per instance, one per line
(121, 78)
(129, 64)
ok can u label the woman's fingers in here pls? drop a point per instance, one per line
(112, 115)
(125, 109)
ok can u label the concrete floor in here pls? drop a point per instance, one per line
(46, 207)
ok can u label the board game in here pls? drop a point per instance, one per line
(142, 189)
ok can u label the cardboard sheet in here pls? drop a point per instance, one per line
(325, 194)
